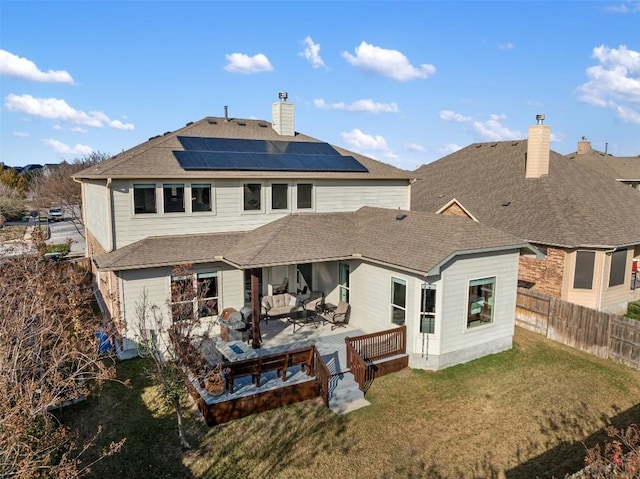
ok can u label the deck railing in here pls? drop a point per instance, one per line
(322, 376)
(363, 351)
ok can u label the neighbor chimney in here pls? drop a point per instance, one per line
(226, 113)
(538, 149)
(584, 146)
(282, 116)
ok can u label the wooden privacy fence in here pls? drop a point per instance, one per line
(602, 334)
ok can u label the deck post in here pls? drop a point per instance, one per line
(255, 310)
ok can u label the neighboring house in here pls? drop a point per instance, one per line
(587, 224)
(246, 198)
(625, 169)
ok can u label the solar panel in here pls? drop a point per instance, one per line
(262, 155)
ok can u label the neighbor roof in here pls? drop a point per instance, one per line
(572, 206)
(621, 168)
(414, 241)
(155, 158)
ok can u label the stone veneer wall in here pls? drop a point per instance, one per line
(107, 281)
(545, 273)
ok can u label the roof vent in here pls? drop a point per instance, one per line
(400, 216)
(515, 143)
(262, 125)
(540, 119)
(212, 121)
(189, 124)
(506, 203)
(242, 123)
(493, 145)
(166, 133)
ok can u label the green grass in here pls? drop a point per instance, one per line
(60, 248)
(523, 413)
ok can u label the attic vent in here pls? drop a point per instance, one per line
(493, 145)
(262, 125)
(212, 121)
(189, 124)
(242, 123)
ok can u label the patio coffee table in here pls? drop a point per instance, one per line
(303, 317)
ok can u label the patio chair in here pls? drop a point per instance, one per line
(339, 317)
(281, 288)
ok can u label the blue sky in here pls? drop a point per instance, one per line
(403, 82)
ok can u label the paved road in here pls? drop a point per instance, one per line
(61, 231)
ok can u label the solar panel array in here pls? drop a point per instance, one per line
(264, 155)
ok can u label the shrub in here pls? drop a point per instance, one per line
(61, 248)
(633, 310)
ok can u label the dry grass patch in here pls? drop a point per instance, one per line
(521, 413)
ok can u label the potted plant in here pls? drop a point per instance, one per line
(215, 384)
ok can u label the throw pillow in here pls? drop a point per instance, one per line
(293, 301)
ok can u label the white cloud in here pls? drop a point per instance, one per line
(506, 46)
(494, 130)
(24, 69)
(60, 147)
(628, 7)
(389, 63)
(448, 115)
(21, 134)
(57, 109)
(241, 63)
(614, 83)
(312, 53)
(77, 129)
(449, 148)
(362, 142)
(365, 105)
(415, 147)
(56, 127)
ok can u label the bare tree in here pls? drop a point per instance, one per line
(11, 202)
(48, 358)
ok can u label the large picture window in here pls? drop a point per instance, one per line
(428, 309)
(194, 293)
(280, 196)
(304, 196)
(583, 277)
(182, 293)
(144, 198)
(480, 303)
(173, 195)
(207, 291)
(201, 197)
(252, 197)
(398, 301)
(618, 267)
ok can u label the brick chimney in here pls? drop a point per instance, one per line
(584, 146)
(538, 149)
(282, 116)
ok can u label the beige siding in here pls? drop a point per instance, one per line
(615, 298)
(231, 288)
(227, 214)
(454, 334)
(585, 297)
(96, 211)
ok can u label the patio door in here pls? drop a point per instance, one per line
(343, 281)
(303, 277)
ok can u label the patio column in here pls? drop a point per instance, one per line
(255, 310)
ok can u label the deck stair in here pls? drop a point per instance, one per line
(345, 394)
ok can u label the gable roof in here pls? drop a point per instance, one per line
(621, 168)
(155, 158)
(419, 242)
(570, 207)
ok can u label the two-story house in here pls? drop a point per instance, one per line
(250, 201)
(586, 223)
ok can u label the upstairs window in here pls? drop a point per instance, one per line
(173, 198)
(618, 267)
(252, 197)
(583, 277)
(280, 196)
(304, 196)
(201, 197)
(144, 198)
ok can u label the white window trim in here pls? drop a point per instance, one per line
(194, 277)
(392, 305)
(289, 197)
(263, 188)
(295, 196)
(491, 324)
(434, 287)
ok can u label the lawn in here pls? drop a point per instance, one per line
(527, 412)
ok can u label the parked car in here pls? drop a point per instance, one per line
(55, 214)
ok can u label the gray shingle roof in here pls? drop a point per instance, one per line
(617, 167)
(418, 243)
(154, 158)
(572, 206)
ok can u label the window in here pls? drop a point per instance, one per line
(207, 291)
(144, 198)
(252, 197)
(182, 298)
(304, 196)
(191, 293)
(480, 303)
(343, 281)
(398, 301)
(279, 196)
(583, 277)
(201, 197)
(173, 198)
(428, 309)
(618, 267)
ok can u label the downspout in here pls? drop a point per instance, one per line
(109, 215)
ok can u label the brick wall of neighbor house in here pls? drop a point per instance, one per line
(545, 273)
(455, 210)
